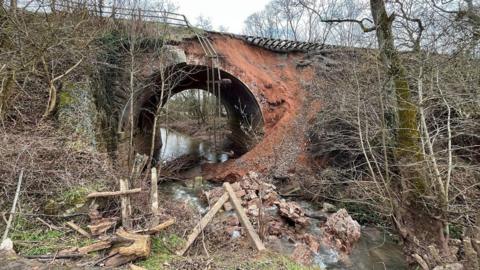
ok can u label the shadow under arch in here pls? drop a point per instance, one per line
(245, 119)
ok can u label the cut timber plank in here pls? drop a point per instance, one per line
(243, 217)
(77, 228)
(203, 223)
(158, 228)
(113, 193)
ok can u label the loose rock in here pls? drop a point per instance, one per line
(342, 230)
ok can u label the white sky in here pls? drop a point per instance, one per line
(229, 13)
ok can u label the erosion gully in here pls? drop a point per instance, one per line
(375, 249)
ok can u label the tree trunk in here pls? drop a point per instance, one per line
(417, 226)
(13, 6)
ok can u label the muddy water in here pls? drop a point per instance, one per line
(375, 249)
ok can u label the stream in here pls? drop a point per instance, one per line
(176, 144)
(375, 249)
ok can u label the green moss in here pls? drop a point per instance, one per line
(162, 247)
(76, 195)
(408, 138)
(70, 200)
(65, 99)
(455, 231)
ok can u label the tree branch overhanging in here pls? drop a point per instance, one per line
(361, 22)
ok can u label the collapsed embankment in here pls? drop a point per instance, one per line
(277, 82)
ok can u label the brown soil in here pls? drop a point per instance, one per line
(276, 83)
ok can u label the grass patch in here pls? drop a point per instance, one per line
(164, 247)
(70, 200)
(30, 238)
(274, 261)
(163, 250)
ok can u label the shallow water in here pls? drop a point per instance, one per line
(176, 144)
(375, 249)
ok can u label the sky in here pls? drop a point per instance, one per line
(229, 13)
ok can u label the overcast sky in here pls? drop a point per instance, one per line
(229, 13)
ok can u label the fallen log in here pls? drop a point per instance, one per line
(140, 248)
(113, 193)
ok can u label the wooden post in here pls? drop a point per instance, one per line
(203, 223)
(154, 198)
(125, 204)
(243, 217)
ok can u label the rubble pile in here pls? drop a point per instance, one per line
(287, 219)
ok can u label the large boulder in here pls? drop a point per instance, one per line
(342, 230)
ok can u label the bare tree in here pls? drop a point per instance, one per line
(204, 23)
(420, 194)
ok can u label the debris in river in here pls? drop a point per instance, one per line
(342, 230)
(289, 220)
(229, 194)
(292, 212)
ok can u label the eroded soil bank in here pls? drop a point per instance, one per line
(278, 83)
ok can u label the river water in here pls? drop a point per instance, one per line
(375, 249)
(176, 144)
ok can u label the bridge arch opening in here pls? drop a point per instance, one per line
(237, 107)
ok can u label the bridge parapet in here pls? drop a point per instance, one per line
(281, 45)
